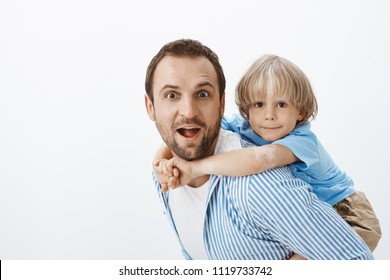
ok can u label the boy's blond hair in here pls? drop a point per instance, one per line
(271, 74)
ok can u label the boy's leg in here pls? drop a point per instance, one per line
(357, 211)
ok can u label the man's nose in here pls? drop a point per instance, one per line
(188, 107)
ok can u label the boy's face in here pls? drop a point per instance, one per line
(187, 108)
(272, 117)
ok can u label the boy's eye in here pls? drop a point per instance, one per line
(282, 104)
(203, 94)
(171, 95)
(258, 104)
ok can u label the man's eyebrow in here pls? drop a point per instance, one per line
(200, 85)
(204, 84)
(168, 86)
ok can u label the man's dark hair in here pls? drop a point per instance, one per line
(184, 48)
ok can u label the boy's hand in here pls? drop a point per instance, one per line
(166, 174)
(297, 257)
(180, 172)
(161, 177)
(173, 173)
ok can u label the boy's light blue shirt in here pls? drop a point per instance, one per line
(316, 167)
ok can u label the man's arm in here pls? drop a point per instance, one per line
(163, 152)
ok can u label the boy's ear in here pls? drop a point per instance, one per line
(149, 107)
(301, 116)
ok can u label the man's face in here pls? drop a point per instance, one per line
(187, 108)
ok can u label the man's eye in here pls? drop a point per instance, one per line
(282, 105)
(171, 95)
(258, 104)
(203, 94)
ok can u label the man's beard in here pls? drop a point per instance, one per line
(204, 148)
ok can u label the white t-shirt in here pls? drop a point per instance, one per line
(188, 205)
(190, 202)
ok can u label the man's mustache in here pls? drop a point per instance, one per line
(189, 121)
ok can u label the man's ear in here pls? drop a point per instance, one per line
(222, 107)
(149, 107)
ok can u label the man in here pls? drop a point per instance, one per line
(269, 215)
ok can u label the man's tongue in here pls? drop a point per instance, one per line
(188, 132)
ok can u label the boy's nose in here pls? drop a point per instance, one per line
(270, 114)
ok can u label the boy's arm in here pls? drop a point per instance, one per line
(235, 163)
(244, 161)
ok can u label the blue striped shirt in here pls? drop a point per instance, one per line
(270, 216)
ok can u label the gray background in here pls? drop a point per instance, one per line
(76, 143)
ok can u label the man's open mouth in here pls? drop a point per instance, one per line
(188, 132)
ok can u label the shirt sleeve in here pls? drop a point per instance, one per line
(301, 141)
(284, 207)
(162, 196)
(304, 145)
(238, 124)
